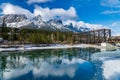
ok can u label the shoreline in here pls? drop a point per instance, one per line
(47, 46)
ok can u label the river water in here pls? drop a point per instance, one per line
(60, 64)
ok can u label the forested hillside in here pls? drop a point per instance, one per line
(35, 36)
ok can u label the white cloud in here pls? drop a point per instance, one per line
(115, 28)
(85, 25)
(79, 24)
(37, 1)
(110, 3)
(48, 13)
(115, 24)
(8, 8)
(113, 6)
(111, 12)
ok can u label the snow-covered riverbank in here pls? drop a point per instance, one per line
(52, 46)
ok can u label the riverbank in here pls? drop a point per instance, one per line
(53, 46)
(44, 46)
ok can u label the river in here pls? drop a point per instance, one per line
(60, 64)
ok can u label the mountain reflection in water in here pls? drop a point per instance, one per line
(59, 64)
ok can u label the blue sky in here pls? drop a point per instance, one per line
(101, 12)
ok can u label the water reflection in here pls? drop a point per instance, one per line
(47, 65)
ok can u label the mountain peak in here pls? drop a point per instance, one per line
(21, 21)
(37, 18)
(9, 18)
(57, 21)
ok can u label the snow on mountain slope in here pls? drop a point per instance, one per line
(21, 21)
(57, 23)
(82, 26)
(37, 20)
(10, 18)
(22, 24)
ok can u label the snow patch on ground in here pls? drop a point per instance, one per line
(54, 46)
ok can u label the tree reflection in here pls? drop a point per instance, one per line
(19, 60)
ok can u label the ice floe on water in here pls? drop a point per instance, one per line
(110, 64)
(111, 69)
(105, 55)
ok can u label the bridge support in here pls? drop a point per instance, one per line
(92, 37)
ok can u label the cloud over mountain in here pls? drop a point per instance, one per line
(8, 8)
(68, 15)
(80, 24)
(48, 13)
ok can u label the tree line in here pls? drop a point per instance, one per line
(36, 36)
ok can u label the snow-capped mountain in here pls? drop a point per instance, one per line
(21, 21)
(77, 28)
(37, 20)
(22, 24)
(81, 26)
(57, 24)
(10, 18)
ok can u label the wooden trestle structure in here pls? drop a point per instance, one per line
(92, 37)
(114, 39)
